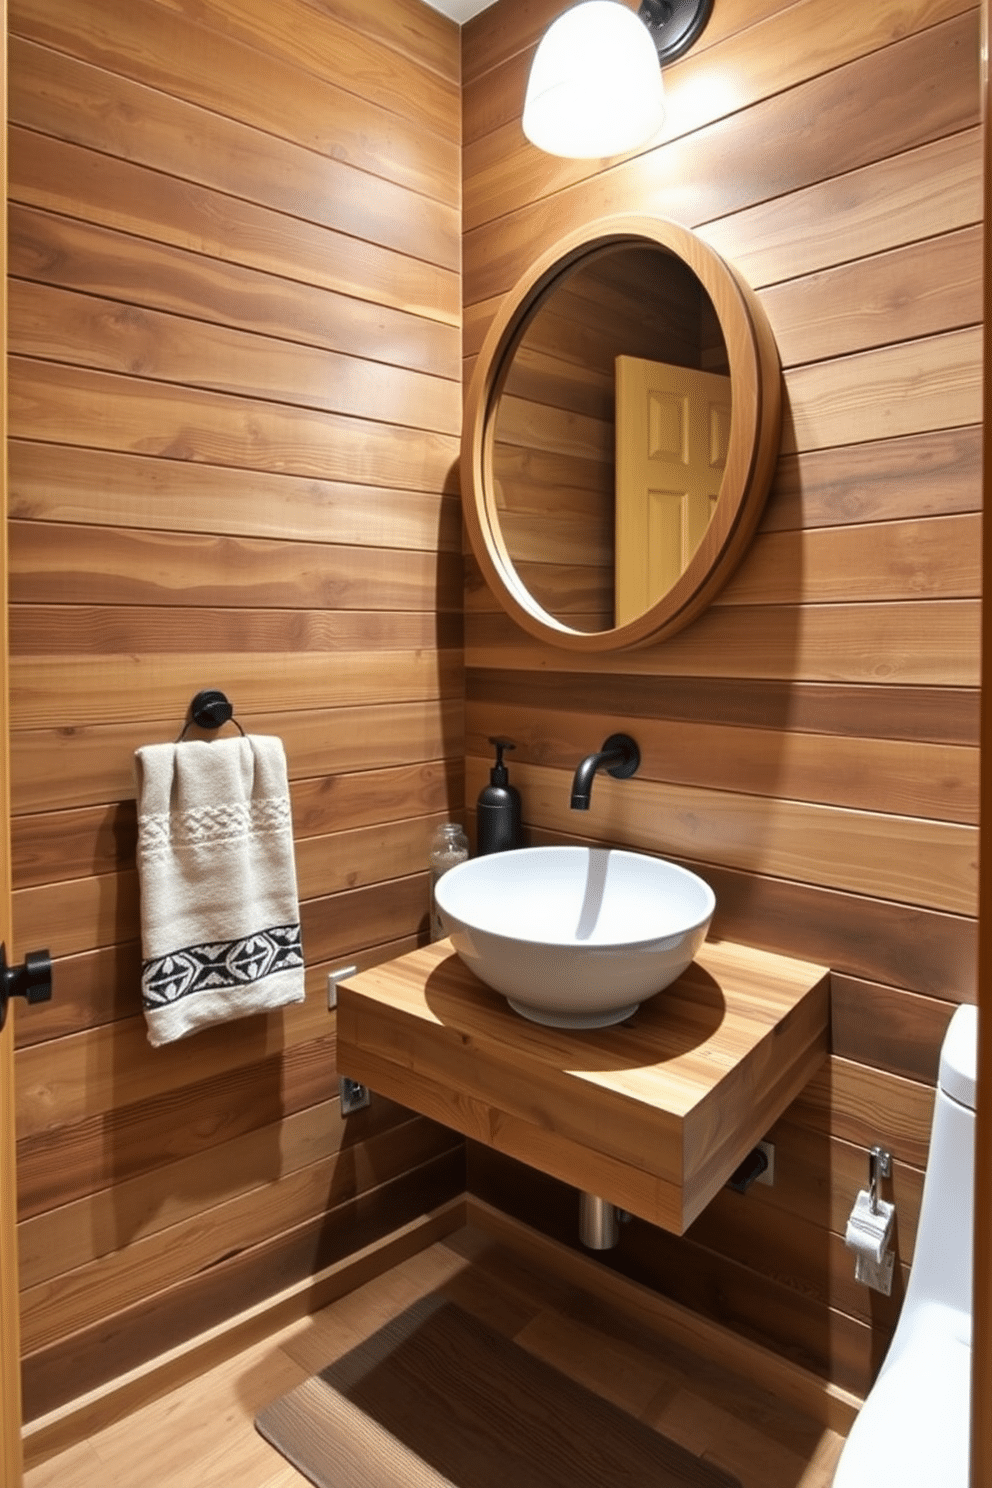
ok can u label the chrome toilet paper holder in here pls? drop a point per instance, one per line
(879, 1167)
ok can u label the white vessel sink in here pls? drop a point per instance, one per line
(574, 937)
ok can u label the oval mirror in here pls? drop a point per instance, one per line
(622, 426)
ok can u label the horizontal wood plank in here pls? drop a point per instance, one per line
(914, 291)
(43, 693)
(87, 1228)
(58, 95)
(911, 779)
(172, 54)
(156, 1260)
(82, 256)
(918, 475)
(98, 630)
(59, 404)
(92, 566)
(907, 859)
(51, 847)
(59, 767)
(134, 1335)
(308, 33)
(85, 331)
(933, 644)
(898, 198)
(947, 715)
(935, 558)
(928, 384)
(80, 182)
(108, 488)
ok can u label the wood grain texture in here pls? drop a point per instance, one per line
(931, 864)
(248, 80)
(153, 1261)
(229, 267)
(11, 1456)
(135, 568)
(761, 1418)
(684, 177)
(932, 644)
(341, 739)
(653, 1116)
(385, 1414)
(388, 214)
(774, 1316)
(835, 683)
(140, 272)
(61, 403)
(873, 774)
(981, 1380)
(891, 201)
(130, 1336)
(57, 484)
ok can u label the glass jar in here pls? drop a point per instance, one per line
(448, 848)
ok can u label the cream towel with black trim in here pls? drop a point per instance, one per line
(220, 917)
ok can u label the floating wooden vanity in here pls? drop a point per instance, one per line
(653, 1115)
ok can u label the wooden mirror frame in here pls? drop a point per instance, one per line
(755, 425)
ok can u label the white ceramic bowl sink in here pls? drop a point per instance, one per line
(575, 937)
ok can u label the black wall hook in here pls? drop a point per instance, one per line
(32, 979)
(210, 709)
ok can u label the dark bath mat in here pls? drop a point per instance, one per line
(437, 1400)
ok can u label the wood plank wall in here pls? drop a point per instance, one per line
(234, 416)
(810, 744)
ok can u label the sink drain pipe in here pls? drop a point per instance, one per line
(599, 1227)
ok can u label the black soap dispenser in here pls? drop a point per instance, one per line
(497, 818)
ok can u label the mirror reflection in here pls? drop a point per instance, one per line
(610, 427)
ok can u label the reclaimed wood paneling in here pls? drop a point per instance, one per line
(127, 1337)
(235, 378)
(810, 743)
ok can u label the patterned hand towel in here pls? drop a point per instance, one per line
(220, 918)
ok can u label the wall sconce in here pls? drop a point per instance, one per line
(595, 82)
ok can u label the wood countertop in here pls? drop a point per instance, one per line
(653, 1114)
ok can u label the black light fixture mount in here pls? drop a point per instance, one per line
(674, 24)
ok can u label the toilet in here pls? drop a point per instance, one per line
(913, 1430)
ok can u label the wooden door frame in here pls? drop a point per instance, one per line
(10, 1365)
(981, 1414)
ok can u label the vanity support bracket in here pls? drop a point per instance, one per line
(354, 1095)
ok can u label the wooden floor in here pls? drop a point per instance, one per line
(203, 1433)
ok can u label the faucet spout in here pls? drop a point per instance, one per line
(619, 757)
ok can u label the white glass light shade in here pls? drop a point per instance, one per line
(595, 84)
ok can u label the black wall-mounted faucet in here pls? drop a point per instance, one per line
(619, 757)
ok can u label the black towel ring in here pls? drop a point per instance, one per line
(210, 709)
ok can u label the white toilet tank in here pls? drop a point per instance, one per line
(914, 1428)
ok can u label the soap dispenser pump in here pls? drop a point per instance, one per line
(497, 819)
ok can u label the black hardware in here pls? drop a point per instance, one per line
(674, 25)
(749, 1171)
(619, 757)
(210, 709)
(32, 980)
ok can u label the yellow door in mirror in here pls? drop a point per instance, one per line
(672, 433)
